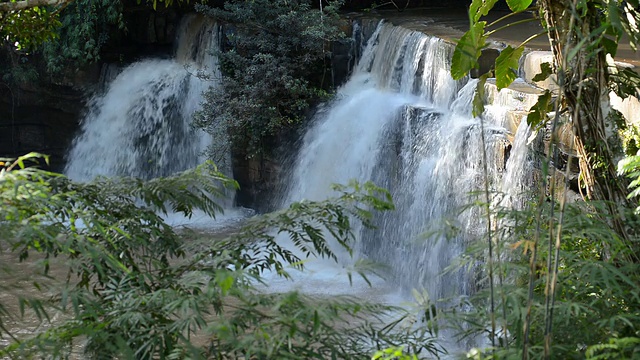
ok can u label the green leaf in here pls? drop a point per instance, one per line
(507, 66)
(480, 8)
(577, 48)
(610, 46)
(614, 16)
(519, 5)
(225, 281)
(478, 98)
(468, 50)
(545, 72)
(538, 112)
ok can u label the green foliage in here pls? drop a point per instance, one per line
(70, 34)
(597, 291)
(519, 5)
(22, 74)
(136, 289)
(85, 26)
(468, 50)
(507, 66)
(630, 135)
(538, 114)
(479, 96)
(396, 353)
(630, 166)
(545, 72)
(619, 18)
(167, 3)
(480, 8)
(625, 348)
(25, 30)
(624, 82)
(276, 69)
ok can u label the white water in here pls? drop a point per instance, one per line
(514, 184)
(403, 122)
(141, 125)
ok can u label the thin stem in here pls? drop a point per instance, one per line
(552, 146)
(532, 262)
(501, 272)
(550, 288)
(488, 208)
(524, 21)
(510, 15)
(545, 32)
(554, 280)
(561, 82)
(392, 2)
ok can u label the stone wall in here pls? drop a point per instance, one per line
(41, 119)
(43, 115)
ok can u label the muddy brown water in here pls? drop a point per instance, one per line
(27, 280)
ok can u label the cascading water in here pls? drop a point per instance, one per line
(403, 122)
(513, 183)
(141, 125)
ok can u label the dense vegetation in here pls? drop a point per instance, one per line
(579, 294)
(556, 280)
(277, 65)
(134, 288)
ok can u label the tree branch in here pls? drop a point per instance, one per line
(28, 4)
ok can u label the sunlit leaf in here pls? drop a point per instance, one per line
(468, 50)
(519, 5)
(610, 46)
(538, 113)
(480, 8)
(614, 16)
(527, 246)
(479, 96)
(507, 66)
(545, 72)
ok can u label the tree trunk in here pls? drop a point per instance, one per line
(585, 95)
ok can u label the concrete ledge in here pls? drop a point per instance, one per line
(629, 107)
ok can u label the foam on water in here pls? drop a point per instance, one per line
(403, 122)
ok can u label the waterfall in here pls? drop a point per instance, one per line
(141, 125)
(403, 122)
(519, 163)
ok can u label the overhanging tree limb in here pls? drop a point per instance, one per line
(28, 4)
